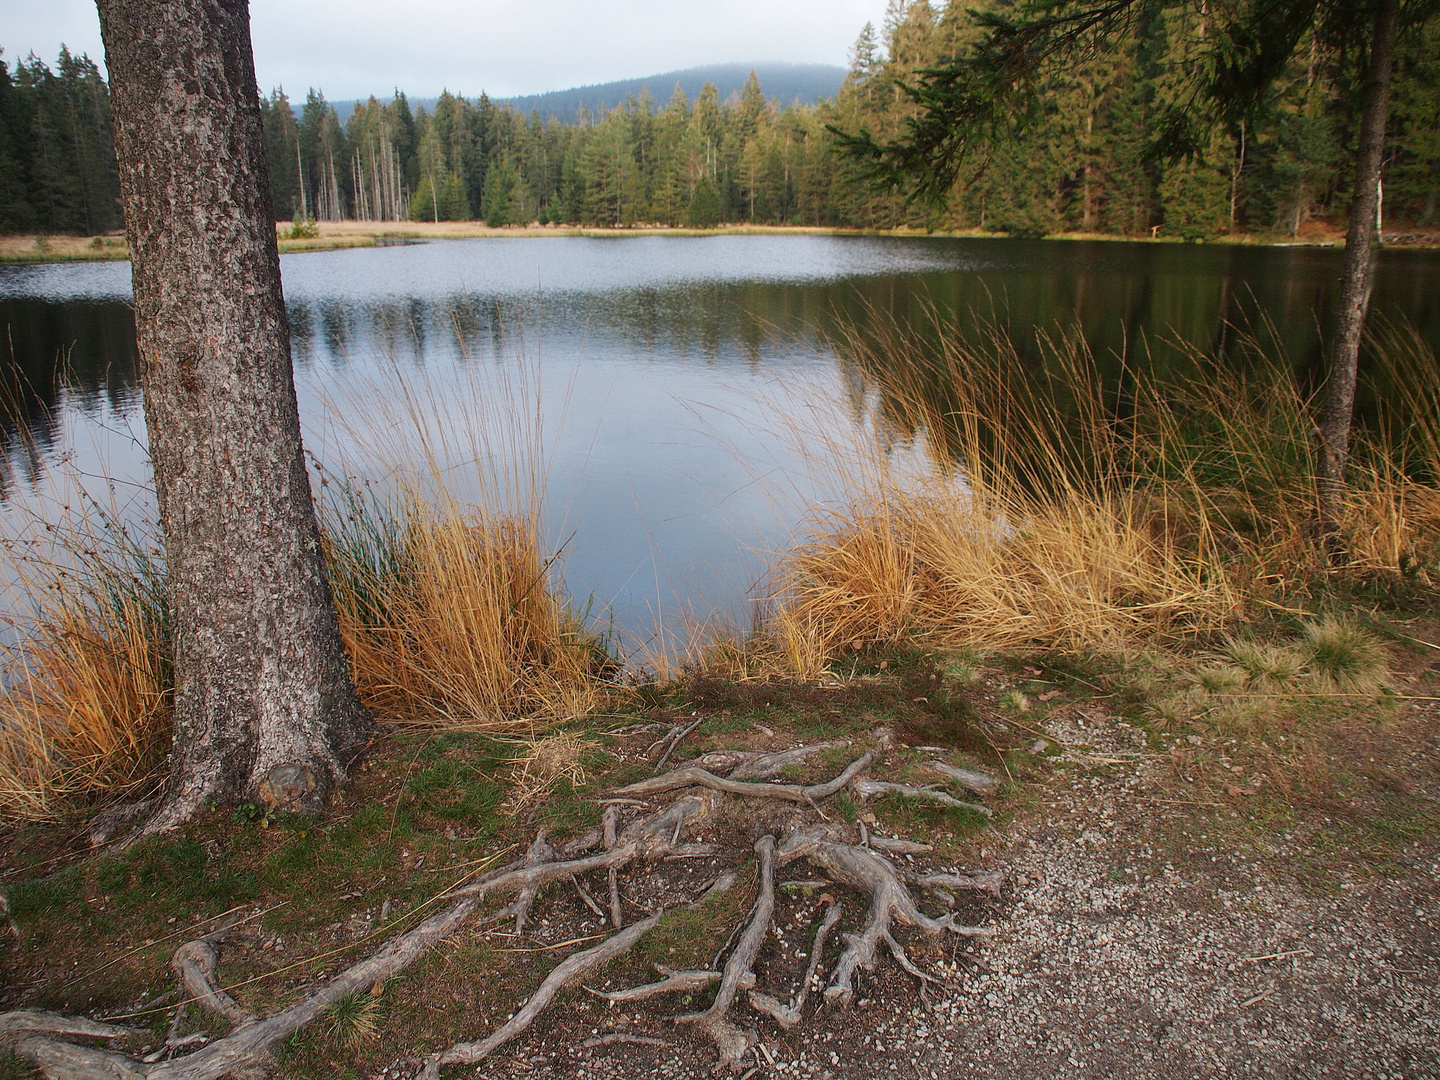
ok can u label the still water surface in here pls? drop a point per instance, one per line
(648, 369)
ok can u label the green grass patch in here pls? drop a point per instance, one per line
(689, 937)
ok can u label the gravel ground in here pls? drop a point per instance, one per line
(1127, 950)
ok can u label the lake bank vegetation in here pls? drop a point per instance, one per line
(975, 507)
(1082, 167)
(1013, 583)
(1084, 511)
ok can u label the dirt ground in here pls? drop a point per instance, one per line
(1137, 939)
(1173, 905)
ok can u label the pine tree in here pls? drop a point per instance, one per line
(282, 156)
(705, 207)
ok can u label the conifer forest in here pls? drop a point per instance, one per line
(1081, 165)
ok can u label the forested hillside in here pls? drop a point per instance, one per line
(1082, 164)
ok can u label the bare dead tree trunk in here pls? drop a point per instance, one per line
(1355, 282)
(264, 707)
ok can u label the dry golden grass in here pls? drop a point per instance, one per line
(87, 674)
(452, 620)
(544, 763)
(993, 505)
(449, 606)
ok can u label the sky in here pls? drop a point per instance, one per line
(354, 48)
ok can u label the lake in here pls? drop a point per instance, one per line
(646, 381)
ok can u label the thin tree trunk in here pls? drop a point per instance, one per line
(264, 705)
(1355, 282)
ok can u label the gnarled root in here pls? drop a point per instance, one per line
(569, 971)
(869, 789)
(890, 902)
(990, 882)
(715, 1021)
(194, 964)
(39, 1039)
(696, 777)
(789, 1016)
(978, 782)
(625, 838)
(674, 982)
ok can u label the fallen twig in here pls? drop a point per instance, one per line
(623, 1037)
(674, 740)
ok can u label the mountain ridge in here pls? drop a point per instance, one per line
(789, 83)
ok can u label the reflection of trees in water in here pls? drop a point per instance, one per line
(58, 359)
(1039, 402)
(1136, 301)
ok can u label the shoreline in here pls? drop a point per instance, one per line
(31, 249)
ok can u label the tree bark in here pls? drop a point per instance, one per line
(1357, 276)
(265, 707)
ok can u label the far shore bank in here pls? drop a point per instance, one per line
(32, 248)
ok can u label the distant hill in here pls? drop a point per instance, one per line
(788, 83)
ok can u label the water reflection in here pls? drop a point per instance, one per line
(654, 352)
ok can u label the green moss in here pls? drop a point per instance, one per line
(32, 901)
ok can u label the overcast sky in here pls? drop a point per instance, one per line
(353, 48)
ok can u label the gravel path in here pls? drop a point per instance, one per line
(1129, 949)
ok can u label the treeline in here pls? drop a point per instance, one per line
(57, 161)
(698, 162)
(1082, 164)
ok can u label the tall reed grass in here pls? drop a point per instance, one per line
(450, 608)
(998, 503)
(450, 615)
(88, 684)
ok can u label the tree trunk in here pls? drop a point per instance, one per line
(1355, 281)
(265, 708)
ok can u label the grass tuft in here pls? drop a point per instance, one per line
(354, 1020)
(87, 673)
(1343, 658)
(1266, 666)
(450, 617)
(544, 764)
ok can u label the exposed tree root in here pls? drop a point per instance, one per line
(869, 789)
(714, 1021)
(766, 766)
(675, 982)
(627, 837)
(569, 971)
(789, 1016)
(978, 782)
(987, 883)
(540, 852)
(693, 777)
(873, 874)
(194, 964)
(892, 846)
